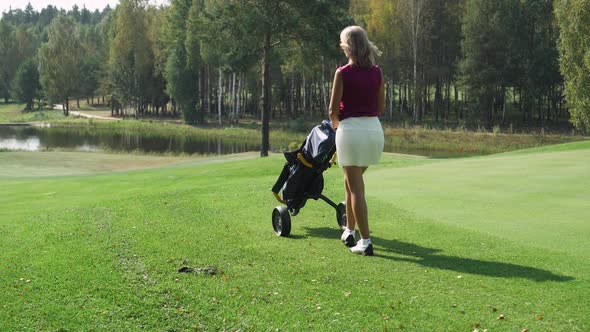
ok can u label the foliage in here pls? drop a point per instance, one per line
(89, 75)
(26, 85)
(262, 25)
(60, 59)
(131, 56)
(486, 52)
(8, 57)
(430, 28)
(538, 61)
(381, 19)
(94, 57)
(574, 60)
(182, 68)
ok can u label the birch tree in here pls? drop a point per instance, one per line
(131, 56)
(413, 18)
(59, 61)
(574, 51)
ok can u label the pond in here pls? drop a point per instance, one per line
(75, 139)
(40, 139)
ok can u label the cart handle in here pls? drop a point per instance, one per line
(303, 161)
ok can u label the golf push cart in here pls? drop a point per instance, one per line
(301, 178)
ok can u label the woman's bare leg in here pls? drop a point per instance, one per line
(350, 220)
(355, 198)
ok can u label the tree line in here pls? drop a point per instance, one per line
(479, 62)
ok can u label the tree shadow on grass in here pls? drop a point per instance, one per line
(429, 257)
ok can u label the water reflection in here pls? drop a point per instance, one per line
(38, 139)
(13, 143)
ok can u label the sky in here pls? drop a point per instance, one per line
(65, 4)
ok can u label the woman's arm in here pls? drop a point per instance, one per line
(334, 110)
(381, 96)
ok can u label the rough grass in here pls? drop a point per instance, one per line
(13, 113)
(101, 251)
(64, 163)
(436, 142)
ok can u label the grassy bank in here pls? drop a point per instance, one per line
(459, 243)
(466, 142)
(13, 113)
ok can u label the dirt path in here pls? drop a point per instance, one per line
(86, 115)
(92, 116)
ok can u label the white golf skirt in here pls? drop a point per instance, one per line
(359, 141)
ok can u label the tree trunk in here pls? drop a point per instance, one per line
(448, 103)
(304, 95)
(265, 96)
(391, 91)
(240, 92)
(297, 96)
(400, 100)
(503, 105)
(409, 99)
(437, 99)
(292, 94)
(66, 107)
(208, 91)
(219, 95)
(415, 60)
(233, 99)
(324, 99)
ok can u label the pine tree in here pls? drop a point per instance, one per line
(8, 58)
(487, 53)
(244, 29)
(26, 83)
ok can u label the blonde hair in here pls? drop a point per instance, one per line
(357, 47)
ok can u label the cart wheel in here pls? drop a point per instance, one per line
(281, 221)
(341, 215)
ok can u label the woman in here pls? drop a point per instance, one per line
(356, 102)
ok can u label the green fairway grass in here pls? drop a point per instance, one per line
(542, 199)
(460, 244)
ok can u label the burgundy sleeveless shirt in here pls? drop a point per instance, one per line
(360, 91)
